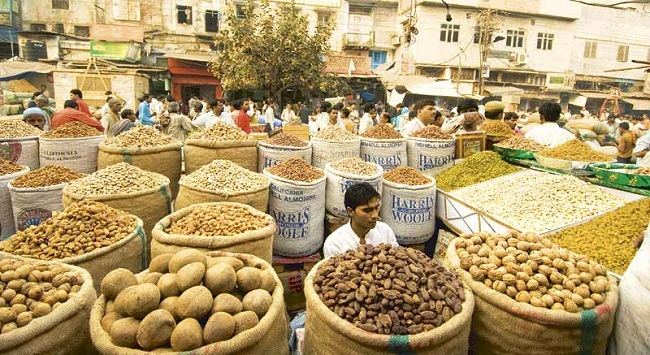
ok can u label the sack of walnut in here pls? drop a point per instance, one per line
(297, 202)
(146, 148)
(65, 330)
(430, 156)
(282, 147)
(220, 141)
(328, 333)
(220, 226)
(408, 205)
(344, 173)
(268, 336)
(8, 172)
(502, 324)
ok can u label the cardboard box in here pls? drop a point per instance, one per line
(333, 222)
(292, 273)
(282, 264)
(468, 143)
(444, 238)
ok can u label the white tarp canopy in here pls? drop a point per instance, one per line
(638, 104)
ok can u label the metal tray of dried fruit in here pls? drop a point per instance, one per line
(620, 174)
(515, 153)
(561, 164)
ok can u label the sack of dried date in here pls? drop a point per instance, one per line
(354, 304)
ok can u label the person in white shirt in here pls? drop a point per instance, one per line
(362, 204)
(426, 113)
(642, 146)
(288, 116)
(369, 117)
(332, 121)
(549, 133)
(211, 117)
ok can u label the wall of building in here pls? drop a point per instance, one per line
(80, 13)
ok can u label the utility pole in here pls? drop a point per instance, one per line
(486, 27)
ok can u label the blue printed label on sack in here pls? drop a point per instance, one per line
(426, 162)
(268, 162)
(292, 224)
(32, 217)
(289, 195)
(412, 210)
(344, 184)
(342, 154)
(386, 163)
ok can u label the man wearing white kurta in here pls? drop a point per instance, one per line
(549, 133)
(426, 113)
(362, 204)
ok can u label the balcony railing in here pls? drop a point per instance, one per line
(358, 40)
(340, 64)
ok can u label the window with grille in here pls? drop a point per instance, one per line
(241, 10)
(449, 33)
(211, 21)
(58, 28)
(545, 41)
(623, 52)
(184, 14)
(323, 18)
(590, 49)
(82, 31)
(37, 27)
(377, 58)
(515, 38)
(60, 4)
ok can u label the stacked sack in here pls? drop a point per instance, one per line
(73, 145)
(220, 141)
(19, 143)
(8, 172)
(282, 147)
(332, 144)
(430, 150)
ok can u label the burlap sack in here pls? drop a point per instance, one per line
(258, 243)
(164, 159)
(64, 331)
(22, 151)
(269, 155)
(326, 333)
(268, 337)
(199, 152)
(325, 151)
(7, 226)
(149, 205)
(190, 195)
(32, 205)
(78, 154)
(501, 325)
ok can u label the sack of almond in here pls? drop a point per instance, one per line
(533, 297)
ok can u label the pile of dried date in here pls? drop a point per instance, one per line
(389, 290)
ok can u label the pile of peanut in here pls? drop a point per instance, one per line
(72, 130)
(539, 202)
(225, 176)
(406, 175)
(221, 131)
(218, 220)
(355, 166)
(531, 269)
(287, 140)
(296, 169)
(7, 167)
(120, 178)
(575, 150)
(431, 132)
(382, 131)
(497, 128)
(389, 290)
(644, 170)
(47, 176)
(140, 136)
(81, 228)
(518, 142)
(17, 129)
(33, 289)
(335, 134)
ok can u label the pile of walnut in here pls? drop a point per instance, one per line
(164, 308)
(389, 290)
(33, 289)
(531, 269)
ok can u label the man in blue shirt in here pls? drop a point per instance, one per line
(144, 111)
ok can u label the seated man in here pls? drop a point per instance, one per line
(71, 114)
(362, 204)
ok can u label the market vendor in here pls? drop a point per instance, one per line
(549, 133)
(34, 116)
(468, 118)
(70, 113)
(494, 110)
(362, 204)
(511, 119)
(426, 113)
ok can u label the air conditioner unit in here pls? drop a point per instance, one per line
(521, 59)
(396, 40)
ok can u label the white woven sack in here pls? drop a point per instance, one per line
(299, 211)
(269, 155)
(389, 153)
(32, 205)
(409, 210)
(430, 157)
(22, 151)
(338, 183)
(324, 151)
(78, 154)
(7, 227)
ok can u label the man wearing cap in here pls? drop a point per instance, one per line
(70, 113)
(494, 110)
(34, 116)
(112, 116)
